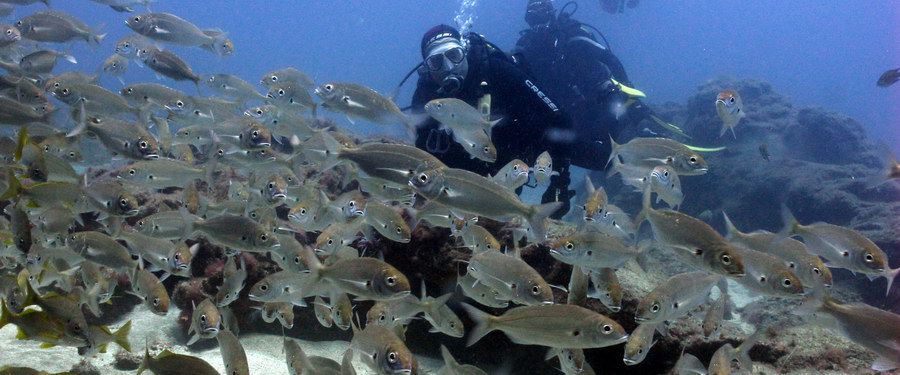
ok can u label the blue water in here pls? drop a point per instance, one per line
(824, 54)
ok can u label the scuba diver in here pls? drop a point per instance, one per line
(584, 77)
(471, 67)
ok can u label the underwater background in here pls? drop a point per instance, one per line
(807, 73)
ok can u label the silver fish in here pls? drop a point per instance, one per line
(842, 247)
(452, 367)
(511, 277)
(513, 175)
(168, 64)
(469, 192)
(382, 351)
(59, 27)
(543, 168)
(639, 343)
(650, 152)
(232, 284)
(233, 354)
(557, 326)
(677, 296)
(730, 109)
(205, 321)
(167, 27)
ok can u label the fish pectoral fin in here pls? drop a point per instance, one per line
(160, 30)
(352, 103)
(359, 283)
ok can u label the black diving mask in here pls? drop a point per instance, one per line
(440, 58)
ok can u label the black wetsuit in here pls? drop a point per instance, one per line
(575, 70)
(531, 121)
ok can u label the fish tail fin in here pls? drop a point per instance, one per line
(121, 336)
(890, 275)
(539, 214)
(613, 150)
(70, 58)
(145, 363)
(188, 222)
(790, 222)
(813, 302)
(730, 230)
(14, 189)
(333, 150)
(646, 207)
(89, 298)
(482, 321)
(81, 125)
(97, 38)
(723, 293)
(448, 358)
(732, 130)
(5, 314)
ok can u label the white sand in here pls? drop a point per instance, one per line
(263, 350)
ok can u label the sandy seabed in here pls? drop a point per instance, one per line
(264, 351)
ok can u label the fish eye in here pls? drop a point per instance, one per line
(156, 301)
(302, 211)
(143, 145)
(762, 279)
(65, 91)
(297, 259)
(202, 318)
(330, 241)
(264, 287)
(486, 149)
(263, 237)
(869, 257)
(666, 174)
(329, 87)
(271, 185)
(535, 290)
(179, 104)
(607, 328)
(259, 112)
(136, 19)
(786, 283)
(845, 253)
(132, 172)
(570, 246)
(391, 280)
(8, 31)
(274, 78)
(726, 259)
(243, 238)
(731, 99)
(280, 92)
(693, 159)
(423, 177)
(392, 357)
(791, 265)
(654, 308)
(399, 230)
(817, 271)
(123, 202)
(255, 133)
